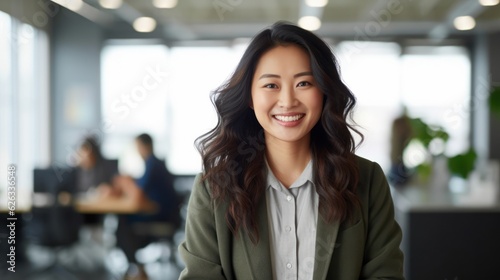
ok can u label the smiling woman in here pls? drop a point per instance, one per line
(300, 204)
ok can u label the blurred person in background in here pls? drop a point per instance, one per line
(93, 170)
(156, 186)
(401, 134)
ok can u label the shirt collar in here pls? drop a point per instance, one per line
(307, 175)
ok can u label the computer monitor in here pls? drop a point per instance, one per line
(111, 167)
(53, 180)
(52, 221)
(88, 179)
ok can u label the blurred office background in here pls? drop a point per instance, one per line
(117, 68)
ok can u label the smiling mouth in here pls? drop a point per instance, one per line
(292, 118)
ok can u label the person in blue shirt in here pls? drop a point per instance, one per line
(155, 185)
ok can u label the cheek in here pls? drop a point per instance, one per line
(260, 103)
(316, 102)
(261, 112)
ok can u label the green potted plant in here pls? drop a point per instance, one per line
(425, 135)
(463, 164)
(460, 166)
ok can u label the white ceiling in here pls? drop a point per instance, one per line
(208, 19)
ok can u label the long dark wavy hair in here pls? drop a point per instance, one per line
(233, 152)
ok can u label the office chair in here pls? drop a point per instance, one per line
(165, 236)
(53, 223)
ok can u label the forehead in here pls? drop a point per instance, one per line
(289, 58)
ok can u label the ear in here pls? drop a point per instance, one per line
(250, 103)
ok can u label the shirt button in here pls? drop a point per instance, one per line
(288, 228)
(288, 265)
(289, 198)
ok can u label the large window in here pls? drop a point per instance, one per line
(431, 82)
(435, 82)
(198, 71)
(165, 92)
(372, 73)
(134, 100)
(24, 117)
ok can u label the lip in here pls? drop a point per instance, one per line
(289, 123)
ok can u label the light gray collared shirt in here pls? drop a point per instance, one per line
(292, 216)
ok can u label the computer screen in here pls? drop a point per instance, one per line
(53, 180)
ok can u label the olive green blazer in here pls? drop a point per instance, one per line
(367, 248)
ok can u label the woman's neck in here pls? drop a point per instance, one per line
(287, 160)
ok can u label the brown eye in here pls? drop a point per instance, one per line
(271, 86)
(304, 84)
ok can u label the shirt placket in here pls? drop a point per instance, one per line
(290, 234)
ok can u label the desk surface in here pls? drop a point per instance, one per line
(101, 205)
(429, 198)
(90, 204)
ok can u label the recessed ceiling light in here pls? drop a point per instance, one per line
(316, 3)
(310, 23)
(110, 4)
(165, 4)
(489, 2)
(464, 23)
(144, 24)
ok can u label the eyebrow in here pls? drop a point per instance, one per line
(307, 73)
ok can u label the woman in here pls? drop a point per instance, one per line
(93, 169)
(282, 195)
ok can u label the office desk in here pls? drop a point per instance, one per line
(447, 235)
(111, 205)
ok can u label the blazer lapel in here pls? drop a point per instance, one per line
(326, 236)
(258, 255)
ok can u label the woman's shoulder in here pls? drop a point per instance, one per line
(201, 185)
(365, 164)
(370, 172)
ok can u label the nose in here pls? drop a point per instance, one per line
(287, 98)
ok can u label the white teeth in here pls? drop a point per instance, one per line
(288, 118)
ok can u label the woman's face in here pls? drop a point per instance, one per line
(285, 96)
(87, 159)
